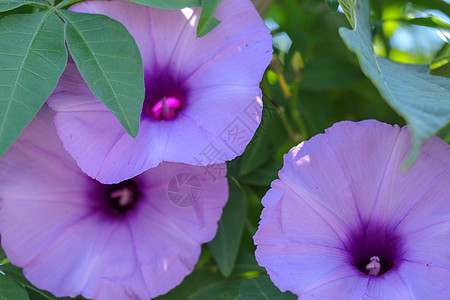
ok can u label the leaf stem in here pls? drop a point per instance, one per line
(67, 3)
(38, 5)
(287, 126)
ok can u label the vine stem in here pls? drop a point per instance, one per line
(296, 116)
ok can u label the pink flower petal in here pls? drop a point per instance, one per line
(104, 150)
(426, 279)
(239, 43)
(344, 193)
(315, 227)
(215, 78)
(364, 153)
(388, 286)
(57, 225)
(302, 268)
(322, 184)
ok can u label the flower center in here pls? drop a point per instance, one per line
(164, 96)
(375, 250)
(166, 108)
(374, 267)
(122, 196)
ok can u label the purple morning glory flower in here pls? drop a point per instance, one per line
(344, 221)
(73, 235)
(202, 103)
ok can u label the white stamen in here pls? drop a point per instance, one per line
(374, 266)
(126, 196)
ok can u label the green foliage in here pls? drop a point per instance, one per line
(32, 58)
(225, 245)
(15, 275)
(348, 8)
(263, 175)
(206, 282)
(441, 63)
(261, 288)
(8, 5)
(425, 4)
(332, 4)
(110, 62)
(10, 290)
(326, 73)
(207, 22)
(269, 136)
(169, 4)
(422, 99)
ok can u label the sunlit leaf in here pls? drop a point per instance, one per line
(441, 5)
(32, 58)
(110, 62)
(225, 245)
(348, 8)
(8, 5)
(422, 99)
(441, 63)
(428, 21)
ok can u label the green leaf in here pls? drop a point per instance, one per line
(441, 63)
(261, 288)
(430, 21)
(228, 290)
(263, 175)
(225, 245)
(5, 6)
(270, 135)
(169, 4)
(348, 8)
(32, 58)
(109, 60)
(246, 264)
(10, 290)
(444, 133)
(441, 5)
(328, 73)
(205, 283)
(202, 278)
(422, 99)
(2, 253)
(15, 274)
(207, 22)
(332, 4)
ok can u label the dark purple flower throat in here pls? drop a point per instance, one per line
(164, 96)
(123, 196)
(375, 251)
